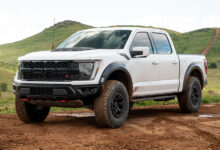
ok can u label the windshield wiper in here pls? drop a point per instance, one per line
(74, 49)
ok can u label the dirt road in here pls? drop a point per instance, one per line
(205, 51)
(157, 127)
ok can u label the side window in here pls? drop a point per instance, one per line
(162, 43)
(142, 40)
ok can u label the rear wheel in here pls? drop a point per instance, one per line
(30, 113)
(190, 98)
(112, 106)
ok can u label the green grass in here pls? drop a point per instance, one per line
(214, 53)
(7, 103)
(191, 42)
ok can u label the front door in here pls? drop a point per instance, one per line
(145, 70)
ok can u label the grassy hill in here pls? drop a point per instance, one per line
(193, 42)
(41, 41)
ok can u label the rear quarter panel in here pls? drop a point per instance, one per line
(185, 61)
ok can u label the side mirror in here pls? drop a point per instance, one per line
(140, 52)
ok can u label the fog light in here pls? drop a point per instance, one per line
(93, 90)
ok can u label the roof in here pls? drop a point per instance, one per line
(127, 28)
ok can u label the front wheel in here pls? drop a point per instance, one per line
(30, 113)
(190, 98)
(112, 106)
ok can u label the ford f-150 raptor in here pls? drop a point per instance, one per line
(107, 70)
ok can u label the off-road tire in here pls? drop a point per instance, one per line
(190, 99)
(106, 110)
(30, 113)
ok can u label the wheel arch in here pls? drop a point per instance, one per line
(118, 71)
(194, 70)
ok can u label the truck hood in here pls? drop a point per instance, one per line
(69, 55)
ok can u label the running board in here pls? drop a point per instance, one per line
(155, 98)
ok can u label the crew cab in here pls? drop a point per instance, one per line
(107, 70)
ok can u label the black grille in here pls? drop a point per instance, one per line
(49, 70)
(41, 91)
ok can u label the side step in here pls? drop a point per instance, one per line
(155, 98)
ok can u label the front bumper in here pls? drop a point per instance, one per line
(55, 91)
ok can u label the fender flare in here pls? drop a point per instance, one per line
(115, 66)
(189, 70)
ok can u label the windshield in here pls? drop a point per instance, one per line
(105, 39)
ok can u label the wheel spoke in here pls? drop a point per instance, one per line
(117, 105)
(195, 95)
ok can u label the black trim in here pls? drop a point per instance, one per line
(124, 55)
(55, 91)
(53, 70)
(155, 98)
(135, 53)
(115, 66)
(189, 70)
(154, 95)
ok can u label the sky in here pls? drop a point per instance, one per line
(20, 19)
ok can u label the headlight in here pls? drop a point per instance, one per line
(88, 70)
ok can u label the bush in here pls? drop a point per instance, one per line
(0, 94)
(212, 65)
(3, 87)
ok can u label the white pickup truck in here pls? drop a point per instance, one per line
(107, 70)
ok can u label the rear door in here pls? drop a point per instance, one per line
(168, 63)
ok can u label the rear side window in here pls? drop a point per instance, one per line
(142, 40)
(162, 43)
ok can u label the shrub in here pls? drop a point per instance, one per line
(3, 87)
(212, 65)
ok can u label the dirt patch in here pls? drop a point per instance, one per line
(156, 127)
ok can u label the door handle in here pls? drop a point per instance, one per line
(175, 62)
(155, 62)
